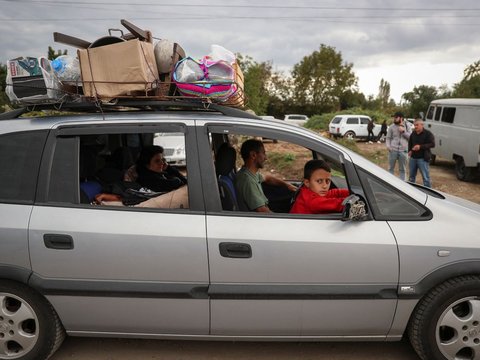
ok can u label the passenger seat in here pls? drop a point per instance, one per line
(225, 162)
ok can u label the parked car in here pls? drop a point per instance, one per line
(456, 126)
(174, 147)
(296, 119)
(351, 126)
(402, 260)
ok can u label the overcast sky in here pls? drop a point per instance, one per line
(407, 43)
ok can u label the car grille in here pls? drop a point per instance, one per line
(168, 152)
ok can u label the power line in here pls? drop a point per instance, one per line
(290, 7)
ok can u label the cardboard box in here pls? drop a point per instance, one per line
(123, 69)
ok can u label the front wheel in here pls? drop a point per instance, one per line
(446, 322)
(29, 327)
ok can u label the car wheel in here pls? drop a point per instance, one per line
(463, 172)
(433, 158)
(446, 322)
(29, 327)
(349, 135)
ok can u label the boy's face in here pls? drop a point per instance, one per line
(319, 182)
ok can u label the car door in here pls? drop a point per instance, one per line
(298, 275)
(118, 269)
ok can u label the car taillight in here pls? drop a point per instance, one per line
(338, 130)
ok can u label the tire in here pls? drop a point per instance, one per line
(349, 135)
(433, 158)
(29, 326)
(446, 323)
(463, 172)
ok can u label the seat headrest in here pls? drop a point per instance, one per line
(225, 159)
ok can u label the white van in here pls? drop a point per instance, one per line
(456, 126)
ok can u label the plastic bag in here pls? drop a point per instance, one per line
(67, 68)
(219, 53)
(31, 80)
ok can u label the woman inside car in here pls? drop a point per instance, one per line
(154, 172)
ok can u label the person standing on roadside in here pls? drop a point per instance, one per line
(383, 131)
(397, 144)
(419, 145)
(370, 127)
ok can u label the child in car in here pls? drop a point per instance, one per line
(315, 195)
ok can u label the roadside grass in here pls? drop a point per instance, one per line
(280, 161)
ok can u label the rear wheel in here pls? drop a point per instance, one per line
(29, 327)
(433, 158)
(464, 173)
(349, 135)
(446, 322)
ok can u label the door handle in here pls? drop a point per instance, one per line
(235, 250)
(58, 241)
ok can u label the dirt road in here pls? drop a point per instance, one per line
(130, 349)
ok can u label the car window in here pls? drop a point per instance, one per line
(364, 121)
(387, 203)
(431, 109)
(102, 169)
(352, 121)
(438, 111)
(448, 114)
(20, 155)
(336, 120)
(285, 160)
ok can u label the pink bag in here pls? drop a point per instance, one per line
(205, 78)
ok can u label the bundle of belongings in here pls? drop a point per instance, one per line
(215, 76)
(126, 66)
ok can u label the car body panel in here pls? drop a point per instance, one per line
(14, 235)
(305, 258)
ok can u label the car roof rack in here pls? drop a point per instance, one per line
(122, 104)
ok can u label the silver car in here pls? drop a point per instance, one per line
(190, 265)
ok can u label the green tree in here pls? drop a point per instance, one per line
(351, 99)
(469, 87)
(383, 93)
(262, 84)
(52, 54)
(3, 85)
(321, 78)
(419, 99)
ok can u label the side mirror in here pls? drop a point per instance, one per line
(354, 209)
(422, 115)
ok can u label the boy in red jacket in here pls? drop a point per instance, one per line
(314, 196)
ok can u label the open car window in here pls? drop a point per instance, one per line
(286, 159)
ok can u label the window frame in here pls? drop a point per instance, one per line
(213, 202)
(364, 175)
(195, 191)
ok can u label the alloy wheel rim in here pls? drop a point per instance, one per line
(458, 330)
(18, 327)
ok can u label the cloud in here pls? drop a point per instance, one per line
(408, 44)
